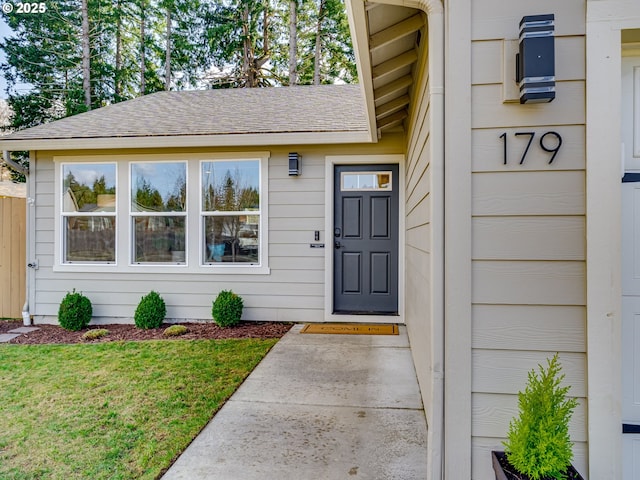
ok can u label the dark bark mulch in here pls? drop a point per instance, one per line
(56, 334)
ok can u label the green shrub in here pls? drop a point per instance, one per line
(175, 330)
(75, 311)
(151, 311)
(227, 309)
(95, 334)
(538, 443)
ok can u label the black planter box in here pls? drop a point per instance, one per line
(504, 471)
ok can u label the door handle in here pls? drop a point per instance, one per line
(337, 244)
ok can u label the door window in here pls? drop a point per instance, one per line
(365, 181)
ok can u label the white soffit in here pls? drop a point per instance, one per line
(396, 36)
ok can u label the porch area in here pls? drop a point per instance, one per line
(318, 406)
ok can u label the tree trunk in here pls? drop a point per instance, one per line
(86, 55)
(118, 60)
(293, 42)
(247, 57)
(143, 81)
(318, 53)
(167, 60)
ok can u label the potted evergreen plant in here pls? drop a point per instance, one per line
(538, 445)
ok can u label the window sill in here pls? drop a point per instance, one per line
(165, 269)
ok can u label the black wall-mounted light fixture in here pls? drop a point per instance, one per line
(294, 164)
(535, 65)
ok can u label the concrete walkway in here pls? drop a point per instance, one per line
(318, 407)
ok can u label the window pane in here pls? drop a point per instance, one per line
(231, 186)
(89, 188)
(159, 239)
(158, 187)
(231, 239)
(90, 239)
(366, 181)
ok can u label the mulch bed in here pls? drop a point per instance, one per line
(48, 334)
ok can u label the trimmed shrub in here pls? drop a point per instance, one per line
(95, 334)
(151, 311)
(538, 443)
(75, 311)
(227, 309)
(175, 330)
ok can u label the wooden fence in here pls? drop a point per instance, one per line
(13, 232)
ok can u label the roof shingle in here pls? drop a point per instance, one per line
(308, 109)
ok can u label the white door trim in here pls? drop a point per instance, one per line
(605, 20)
(330, 162)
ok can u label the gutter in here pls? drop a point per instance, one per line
(6, 157)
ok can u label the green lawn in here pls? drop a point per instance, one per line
(112, 410)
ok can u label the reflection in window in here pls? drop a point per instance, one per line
(366, 181)
(231, 211)
(88, 212)
(158, 210)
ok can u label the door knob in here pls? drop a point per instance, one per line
(337, 244)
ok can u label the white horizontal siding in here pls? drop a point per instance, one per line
(487, 63)
(505, 371)
(493, 412)
(528, 226)
(488, 153)
(529, 238)
(500, 19)
(488, 111)
(527, 327)
(528, 283)
(292, 291)
(528, 193)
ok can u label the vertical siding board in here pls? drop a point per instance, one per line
(12, 256)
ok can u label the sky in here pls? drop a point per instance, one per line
(5, 32)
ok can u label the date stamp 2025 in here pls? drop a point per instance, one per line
(24, 7)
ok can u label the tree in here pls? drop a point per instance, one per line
(293, 42)
(86, 55)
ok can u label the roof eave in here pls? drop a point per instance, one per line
(360, 40)
(187, 141)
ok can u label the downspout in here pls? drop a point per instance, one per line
(6, 157)
(436, 104)
(436, 33)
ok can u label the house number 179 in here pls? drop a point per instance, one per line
(550, 142)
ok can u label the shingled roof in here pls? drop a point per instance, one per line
(337, 110)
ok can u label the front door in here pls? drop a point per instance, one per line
(365, 239)
(631, 268)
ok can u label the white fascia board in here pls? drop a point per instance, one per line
(188, 141)
(360, 39)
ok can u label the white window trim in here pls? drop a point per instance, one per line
(59, 228)
(203, 214)
(123, 228)
(132, 215)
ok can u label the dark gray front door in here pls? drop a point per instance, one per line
(365, 262)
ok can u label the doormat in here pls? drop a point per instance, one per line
(351, 328)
